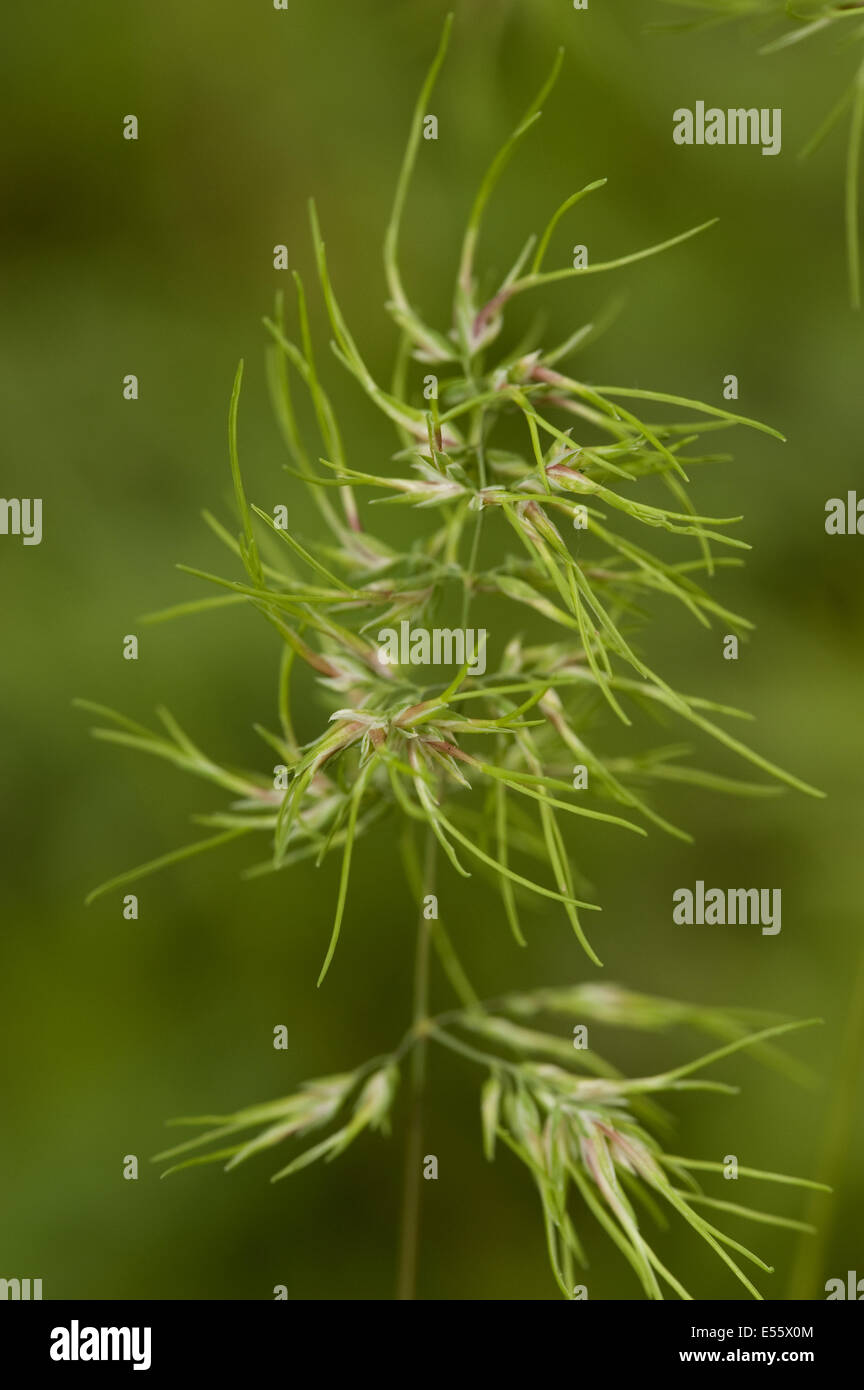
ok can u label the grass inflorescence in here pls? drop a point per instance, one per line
(479, 768)
(572, 1119)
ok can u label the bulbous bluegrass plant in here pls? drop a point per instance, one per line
(401, 746)
(804, 20)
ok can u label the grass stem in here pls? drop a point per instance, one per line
(406, 1288)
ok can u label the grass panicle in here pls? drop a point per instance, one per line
(588, 503)
(586, 1134)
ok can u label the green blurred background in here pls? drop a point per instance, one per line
(155, 258)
